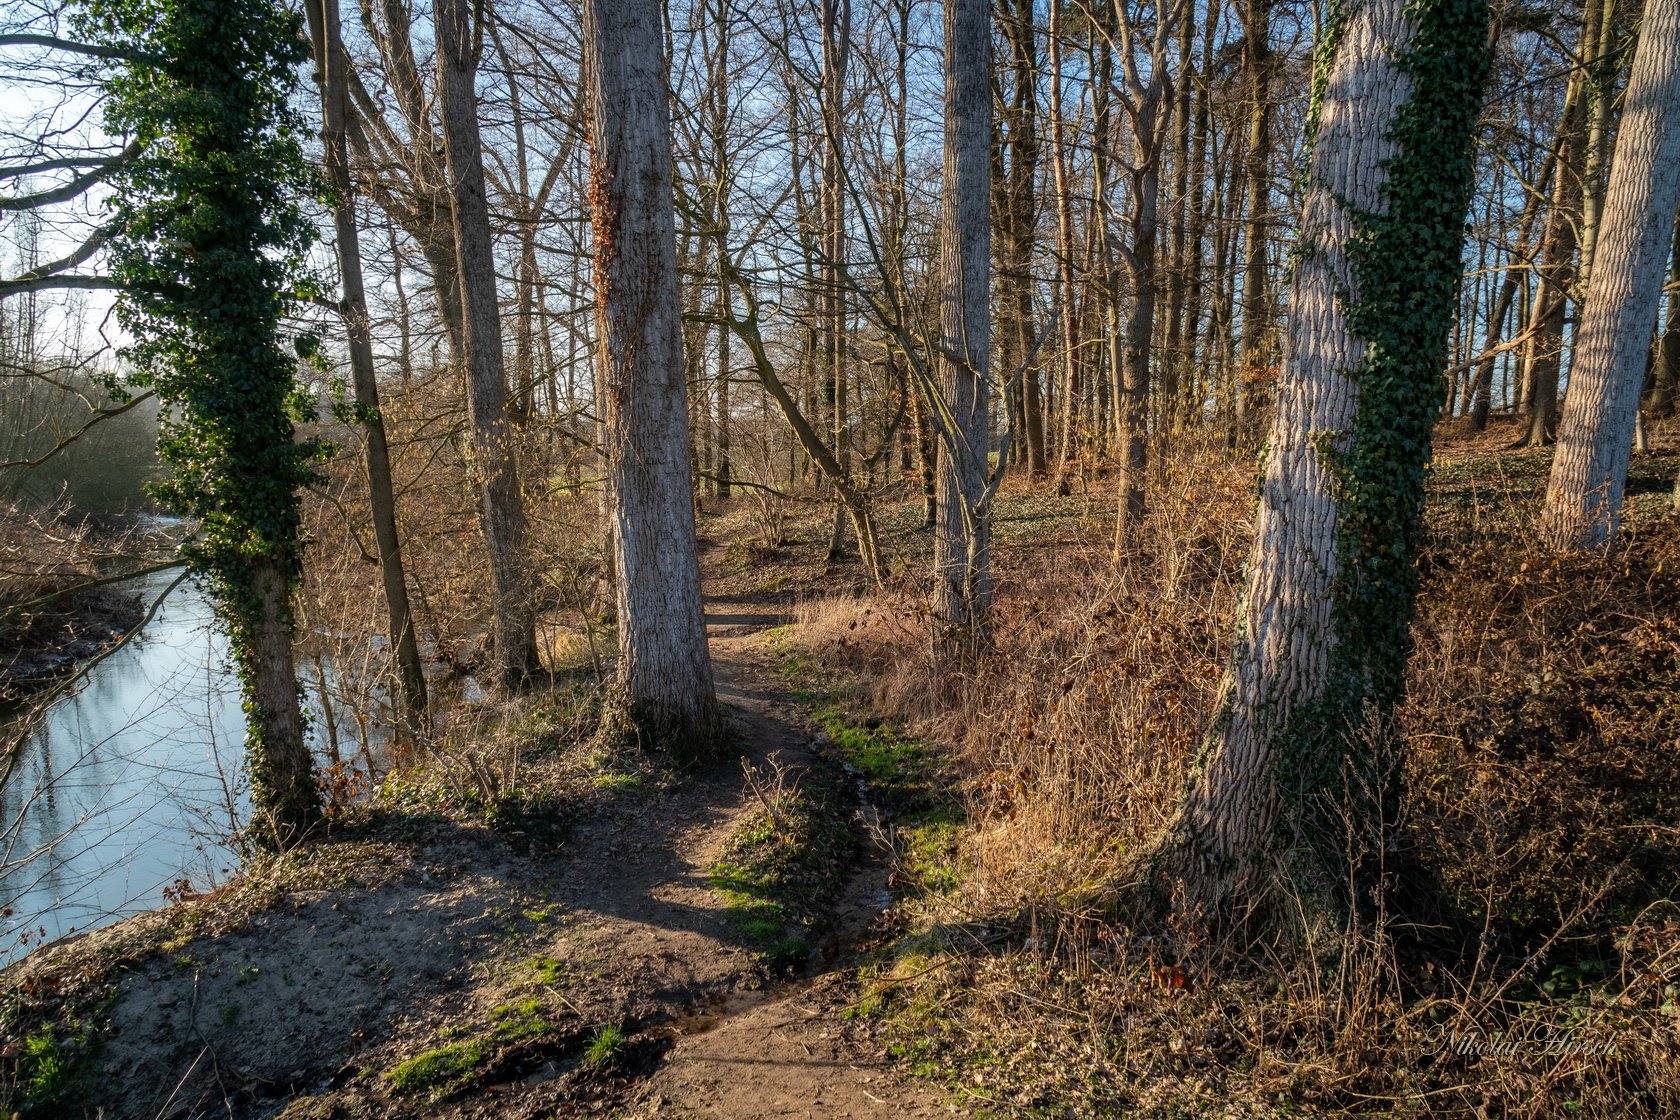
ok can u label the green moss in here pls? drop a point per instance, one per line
(548, 971)
(777, 873)
(438, 1069)
(928, 849)
(453, 1066)
(520, 1020)
(618, 783)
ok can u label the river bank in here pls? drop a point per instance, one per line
(59, 602)
(45, 645)
(610, 935)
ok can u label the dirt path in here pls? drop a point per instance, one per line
(460, 974)
(789, 1053)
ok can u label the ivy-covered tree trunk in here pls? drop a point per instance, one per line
(665, 669)
(1589, 472)
(494, 440)
(1323, 626)
(208, 241)
(961, 557)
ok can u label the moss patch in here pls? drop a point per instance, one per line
(780, 870)
(457, 1065)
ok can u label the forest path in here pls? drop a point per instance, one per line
(787, 1052)
(424, 965)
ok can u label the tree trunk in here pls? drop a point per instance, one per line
(1601, 69)
(1196, 382)
(1589, 472)
(1250, 352)
(283, 794)
(1071, 388)
(961, 564)
(1323, 632)
(1149, 110)
(1554, 281)
(724, 469)
(331, 62)
(1017, 213)
(1665, 375)
(1176, 367)
(502, 506)
(1479, 389)
(665, 670)
(836, 48)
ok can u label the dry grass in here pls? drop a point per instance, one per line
(1530, 968)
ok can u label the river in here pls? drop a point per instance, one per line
(129, 785)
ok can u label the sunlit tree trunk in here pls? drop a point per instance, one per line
(1601, 71)
(1174, 370)
(1251, 355)
(1323, 626)
(331, 63)
(836, 50)
(495, 462)
(665, 671)
(1145, 100)
(1017, 217)
(1071, 387)
(1589, 471)
(1665, 375)
(1556, 275)
(962, 575)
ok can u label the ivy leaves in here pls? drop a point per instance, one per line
(209, 241)
(1407, 265)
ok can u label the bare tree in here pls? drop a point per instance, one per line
(495, 463)
(962, 575)
(665, 671)
(332, 72)
(1257, 49)
(1589, 472)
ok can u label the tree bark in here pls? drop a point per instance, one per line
(962, 576)
(665, 671)
(495, 463)
(1601, 69)
(1322, 636)
(836, 49)
(1257, 187)
(1665, 375)
(1589, 471)
(1555, 278)
(285, 800)
(332, 62)
(1071, 388)
(1017, 218)
(1147, 104)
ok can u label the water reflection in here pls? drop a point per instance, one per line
(129, 785)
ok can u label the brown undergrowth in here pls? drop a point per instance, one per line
(1531, 965)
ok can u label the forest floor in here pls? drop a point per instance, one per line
(612, 937)
(898, 898)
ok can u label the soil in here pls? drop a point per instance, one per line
(304, 995)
